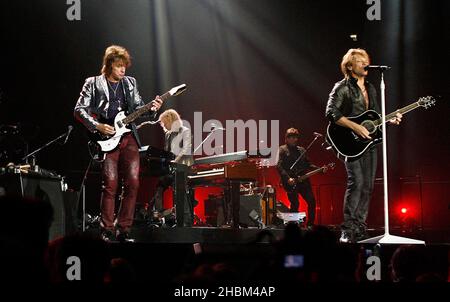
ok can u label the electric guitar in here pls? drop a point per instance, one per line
(298, 179)
(350, 146)
(101, 144)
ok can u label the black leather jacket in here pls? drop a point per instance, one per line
(346, 99)
(93, 103)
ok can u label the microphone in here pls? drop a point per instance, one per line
(317, 134)
(378, 67)
(70, 128)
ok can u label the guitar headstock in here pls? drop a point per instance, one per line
(426, 101)
(177, 90)
(330, 166)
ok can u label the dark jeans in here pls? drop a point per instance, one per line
(120, 164)
(304, 189)
(360, 179)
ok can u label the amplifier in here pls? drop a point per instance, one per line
(42, 188)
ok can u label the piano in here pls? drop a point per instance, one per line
(237, 166)
(222, 158)
(230, 157)
(227, 171)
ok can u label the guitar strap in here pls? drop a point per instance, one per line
(126, 88)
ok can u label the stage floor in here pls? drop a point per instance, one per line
(215, 235)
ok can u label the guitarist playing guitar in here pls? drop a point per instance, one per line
(352, 96)
(287, 155)
(100, 101)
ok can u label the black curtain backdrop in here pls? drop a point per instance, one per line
(241, 59)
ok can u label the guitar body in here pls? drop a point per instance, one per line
(303, 178)
(109, 143)
(100, 144)
(347, 144)
(287, 187)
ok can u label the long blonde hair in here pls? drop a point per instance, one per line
(173, 118)
(348, 58)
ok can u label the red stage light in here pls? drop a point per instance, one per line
(404, 210)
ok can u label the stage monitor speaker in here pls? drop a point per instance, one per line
(215, 210)
(43, 188)
(248, 204)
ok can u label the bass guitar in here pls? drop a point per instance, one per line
(300, 178)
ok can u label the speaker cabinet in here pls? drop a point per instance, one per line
(250, 203)
(42, 188)
(216, 211)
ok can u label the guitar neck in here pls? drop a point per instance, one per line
(403, 110)
(309, 174)
(133, 116)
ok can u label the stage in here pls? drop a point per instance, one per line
(224, 113)
(217, 235)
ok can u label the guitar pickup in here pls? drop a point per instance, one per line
(120, 124)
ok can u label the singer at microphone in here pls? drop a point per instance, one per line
(352, 96)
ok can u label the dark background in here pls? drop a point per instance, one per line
(241, 59)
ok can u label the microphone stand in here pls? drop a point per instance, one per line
(82, 195)
(206, 138)
(301, 155)
(387, 238)
(44, 146)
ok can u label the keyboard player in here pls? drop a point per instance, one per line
(178, 140)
